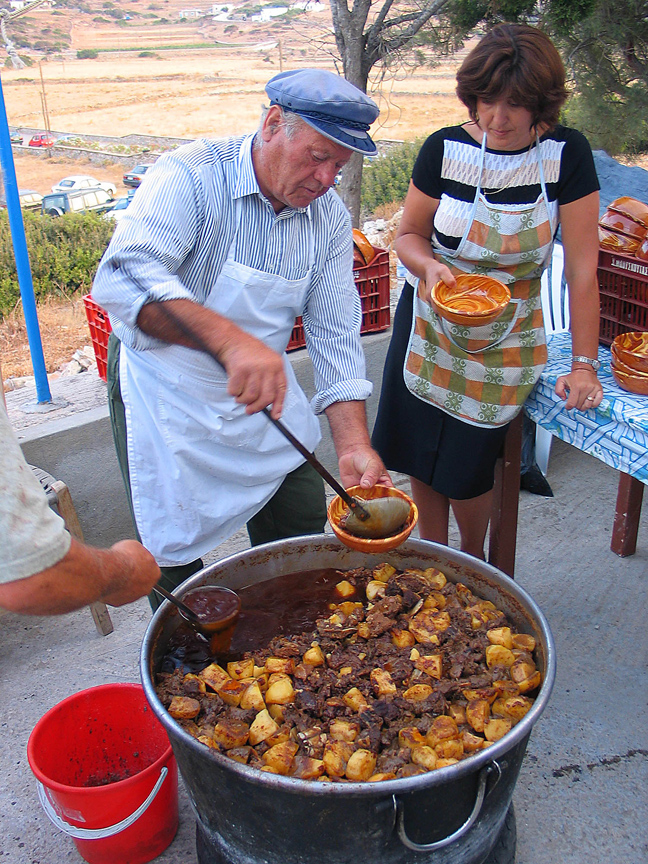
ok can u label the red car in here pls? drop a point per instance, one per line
(41, 139)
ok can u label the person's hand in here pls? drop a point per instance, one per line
(362, 466)
(256, 376)
(435, 272)
(581, 389)
(138, 573)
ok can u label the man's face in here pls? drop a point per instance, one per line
(295, 171)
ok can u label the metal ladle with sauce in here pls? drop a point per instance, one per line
(378, 517)
(214, 616)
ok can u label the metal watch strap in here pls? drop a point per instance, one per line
(595, 364)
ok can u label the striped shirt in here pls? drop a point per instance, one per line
(195, 204)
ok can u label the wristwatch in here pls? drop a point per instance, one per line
(595, 364)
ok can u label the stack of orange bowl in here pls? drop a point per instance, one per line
(630, 362)
(474, 302)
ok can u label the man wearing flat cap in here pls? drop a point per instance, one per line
(225, 243)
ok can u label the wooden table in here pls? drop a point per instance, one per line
(616, 433)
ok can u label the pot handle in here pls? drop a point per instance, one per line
(97, 833)
(451, 838)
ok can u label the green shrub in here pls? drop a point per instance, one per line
(64, 253)
(386, 178)
(87, 54)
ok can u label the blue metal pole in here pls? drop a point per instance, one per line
(22, 257)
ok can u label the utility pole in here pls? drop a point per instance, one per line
(43, 96)
(280, 57)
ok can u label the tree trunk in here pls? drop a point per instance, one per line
(350, 187)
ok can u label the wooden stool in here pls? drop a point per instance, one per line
(58, 496)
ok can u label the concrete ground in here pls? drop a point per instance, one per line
(580, 797)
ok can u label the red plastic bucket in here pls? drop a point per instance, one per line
(107, 775)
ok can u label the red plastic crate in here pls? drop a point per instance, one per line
(372, 282)
(623, 292)
(100, 330)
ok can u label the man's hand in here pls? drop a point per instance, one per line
(135, 577)
(256, 376)
(362, 466)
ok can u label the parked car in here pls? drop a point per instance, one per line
(135, 176)
(16, 138)
(83, 181)
(29, 199)
(41, 139)
(118, 208)
(79, 201)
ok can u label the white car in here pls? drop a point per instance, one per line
(83, 181)
(118, 209)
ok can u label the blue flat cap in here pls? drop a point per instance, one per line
(329, 103)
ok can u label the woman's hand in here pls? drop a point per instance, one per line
(581, 389)
(434, 272)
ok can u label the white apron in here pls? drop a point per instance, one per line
(200, 467)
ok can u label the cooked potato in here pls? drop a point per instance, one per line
(478, 714)
(314, 656)
(384, 572)
(280, 692)
(232, 691)
(348, 607)
(375, 590)
(280, 664)
(345, 589)
(382, 682)
(435, 600)
(239, 754)
(276, 712)
(498, 655)
(215, 676)
(505, 688)
(409, 736)
(524, 641)
(402, 638)
(442, 729)
(354, 699)
(382, 775)
(450, 749)
(363, 630)
(262, 727)
(516, 707)
(487, 693)
(500, 636)
(443, 763)
(425, 756)
(457, 712)
(435, 577)
(282, 734)
(418, 692)
(496, 728)
(422, 629)
(184, 708)
(344, 730)
(280, 756)
(361, 765)
(471, 743)
(431, 664)
(231, 733)
(253, 698)
(521, 670)
(306, 768)
(241, 669)
(335, 758)
(531, 683)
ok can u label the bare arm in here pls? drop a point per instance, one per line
(255, 372)
(578, 222)
(413, 241)
(359, 463)
(119, 575)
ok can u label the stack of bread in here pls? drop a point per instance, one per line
(624, 228)
(630, 362)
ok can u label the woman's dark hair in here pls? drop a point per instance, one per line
(516, 62)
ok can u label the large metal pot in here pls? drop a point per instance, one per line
(449, 816)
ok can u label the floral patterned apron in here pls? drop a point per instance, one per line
(483, 375)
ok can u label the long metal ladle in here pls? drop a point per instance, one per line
(362, 510)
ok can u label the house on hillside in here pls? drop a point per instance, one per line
(192, 13)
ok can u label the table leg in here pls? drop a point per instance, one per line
(626, 515)
(506, 495)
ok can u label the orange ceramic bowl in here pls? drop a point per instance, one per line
(338, 508)
(474, 302)
(632, 350)
(632, 383)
